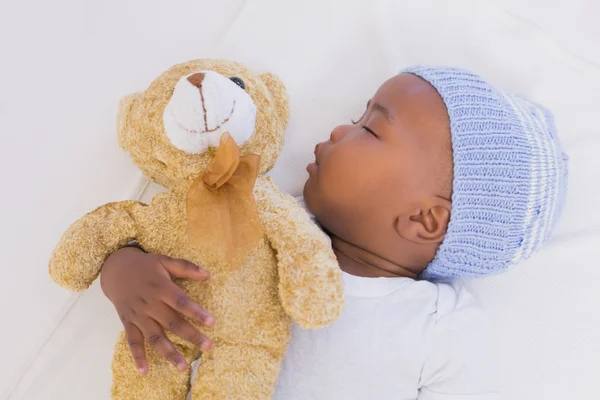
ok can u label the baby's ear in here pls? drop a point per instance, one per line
(124, 135)
(279, 94)
(426, 224)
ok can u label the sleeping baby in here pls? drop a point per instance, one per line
(443, 177)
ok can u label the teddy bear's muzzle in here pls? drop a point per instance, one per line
(204, 105)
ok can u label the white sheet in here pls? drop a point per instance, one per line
(332, 56)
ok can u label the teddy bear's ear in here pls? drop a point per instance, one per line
(279, 93)
(122, 119)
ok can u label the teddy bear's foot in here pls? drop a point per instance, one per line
(162, 382)
(236, 372)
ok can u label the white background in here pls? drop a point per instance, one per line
(64, 65)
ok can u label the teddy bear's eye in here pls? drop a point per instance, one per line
(238, 82)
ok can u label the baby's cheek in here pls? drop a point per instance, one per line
(343, 171)
(351, 186)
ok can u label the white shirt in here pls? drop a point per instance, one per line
(398, 339)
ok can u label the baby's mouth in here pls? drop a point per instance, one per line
(316, 152)
(313, 167)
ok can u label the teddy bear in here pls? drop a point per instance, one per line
(209, 131)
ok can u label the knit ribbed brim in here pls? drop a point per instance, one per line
(510, 176)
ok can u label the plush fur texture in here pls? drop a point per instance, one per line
(292, 273)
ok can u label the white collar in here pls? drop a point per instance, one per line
(359, 286)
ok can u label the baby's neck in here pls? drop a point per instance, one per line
(361, 262)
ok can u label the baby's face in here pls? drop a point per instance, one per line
(396, 155)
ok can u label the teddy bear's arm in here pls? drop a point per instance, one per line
(78, 257)
(310, 280)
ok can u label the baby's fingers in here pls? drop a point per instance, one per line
(179, 301)
(184, 269)
(135, 340)
(156, 338)
(179, 326)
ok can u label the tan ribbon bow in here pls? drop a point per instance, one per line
(221, 210)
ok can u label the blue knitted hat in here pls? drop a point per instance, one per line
(510, 176)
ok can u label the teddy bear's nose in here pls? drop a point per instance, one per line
(196, 79)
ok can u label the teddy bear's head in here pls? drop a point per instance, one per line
(172, 129)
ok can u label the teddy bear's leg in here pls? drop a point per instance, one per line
(162, 382)
(236, 372)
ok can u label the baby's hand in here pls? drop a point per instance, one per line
(141, 288)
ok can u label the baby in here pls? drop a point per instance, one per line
(443, 177)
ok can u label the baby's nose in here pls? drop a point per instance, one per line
(338, 132)
(196, 79)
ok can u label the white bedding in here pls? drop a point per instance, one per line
(332, 56)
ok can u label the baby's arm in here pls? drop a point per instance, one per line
(310, 282)
(80, 253)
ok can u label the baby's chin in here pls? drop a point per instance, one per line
(307, 194)
(311, 196)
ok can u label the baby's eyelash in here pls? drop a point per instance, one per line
(368, 130)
